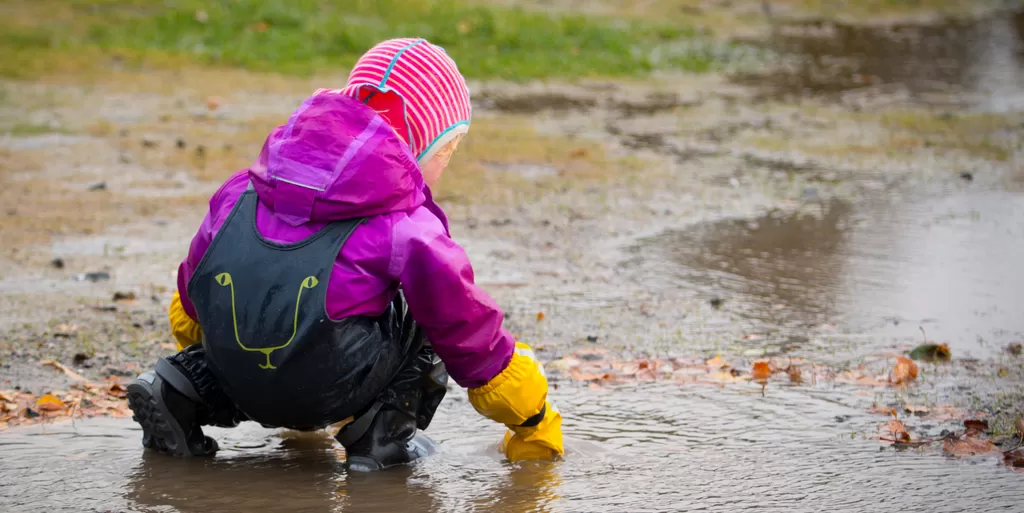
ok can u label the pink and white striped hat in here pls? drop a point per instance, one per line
(417, 88)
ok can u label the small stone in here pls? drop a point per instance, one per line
(717, 302)
(966, 176)
(592, 338)
(98, 186)
(180, 143)
(124, 296)
(80, 358)
(1014, 349)
(57, 263)
(149, 142)
(93, 276)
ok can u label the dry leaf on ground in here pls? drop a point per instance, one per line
(794, 375)
(975, 428)
(905, 370)
(931, 353)
(1014, 459)
(761, 370)
(898, 431)
(49, 402)
(1020, 426)
(968, 446)
(716, 363)
(117, 390)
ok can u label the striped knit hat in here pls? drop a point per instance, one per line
(417, 89)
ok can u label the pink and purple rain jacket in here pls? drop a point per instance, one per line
(337, 159)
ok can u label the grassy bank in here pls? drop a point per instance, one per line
(309, 36)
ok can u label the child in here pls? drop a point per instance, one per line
(324, 284)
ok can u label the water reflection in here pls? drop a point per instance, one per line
(947, 261)
(951, 56)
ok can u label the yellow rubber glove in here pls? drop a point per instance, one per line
(186, 331)
(518, 394)
(541, 442)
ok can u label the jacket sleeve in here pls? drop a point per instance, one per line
(462, 322)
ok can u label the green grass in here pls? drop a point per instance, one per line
(29, 129)
(310, 36)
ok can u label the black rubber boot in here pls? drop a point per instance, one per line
(386, 435)
(391, 439)
(166, 405)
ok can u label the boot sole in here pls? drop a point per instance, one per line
(158, 433)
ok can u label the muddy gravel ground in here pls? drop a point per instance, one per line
(813, 211)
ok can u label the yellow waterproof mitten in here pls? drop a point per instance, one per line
(517, 397)
(186, 331)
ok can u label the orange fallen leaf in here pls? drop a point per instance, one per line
(117, 390)
(49, 402)
(762, 370)
(898, 431)
(905, 370)
(1020, 426)
(6, 395)
(716, 363)
(540, 316)
(968, 446)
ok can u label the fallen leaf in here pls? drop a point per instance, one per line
(562, 365)
(65, 330)
(117, 390)
(975, 428)
(898, 431)
(1014, 459)
(540, 316)
(1020, 426)
(931, 353)
(916, 410)
(795, 375)
(49, 402)
(60, 366)
(214, 102)
(716, 363)
(880, 409)
(905, 370)
(593, 385)
(761, 370)
(7, 395)
(968, 446)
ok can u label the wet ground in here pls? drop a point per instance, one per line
(686, 217)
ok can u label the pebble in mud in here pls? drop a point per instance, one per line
(57, 263)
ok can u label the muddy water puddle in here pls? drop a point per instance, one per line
(934, 61)
(689, 449)
(945, 261)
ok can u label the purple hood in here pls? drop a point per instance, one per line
(337, 159)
